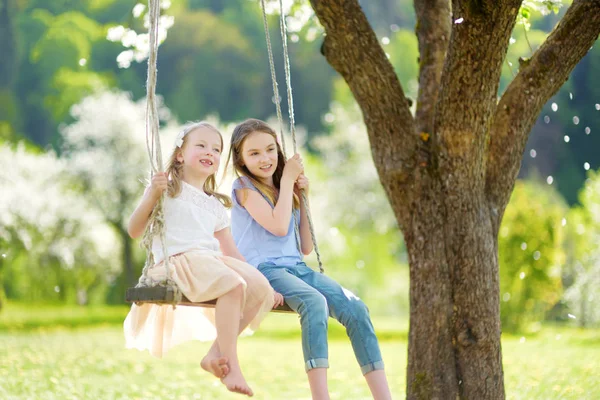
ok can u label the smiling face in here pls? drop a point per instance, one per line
(259, 155)
(201, 152)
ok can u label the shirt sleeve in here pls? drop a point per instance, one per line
(222, 217)
(241, 183)
(244, 183)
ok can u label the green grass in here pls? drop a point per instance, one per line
(40, 361)
(26, 317)
(17, 317)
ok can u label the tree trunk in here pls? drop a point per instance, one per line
(431, 369)
(454, 339)
(449, 171)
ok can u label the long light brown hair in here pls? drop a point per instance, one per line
(239, 136)
(174, 167)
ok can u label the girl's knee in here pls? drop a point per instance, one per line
(237, 291)
(262, 285)
(315, 305)
(355, 312)
(360, 309)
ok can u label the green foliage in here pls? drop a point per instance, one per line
(7, 133)
(582, 271)
(204, 50)
(531, 254)
(544, 7)
(404, 56)
(67, 41)
(50, 47)
(7, 45)
(69, 86)
(9, 108)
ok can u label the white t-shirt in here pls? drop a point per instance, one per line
(191, 219)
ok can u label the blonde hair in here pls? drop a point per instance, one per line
(239, 136)
(174, 167)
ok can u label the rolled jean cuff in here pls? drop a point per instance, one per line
(370, 367)
(316, 363)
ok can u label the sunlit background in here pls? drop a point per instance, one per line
(73, 164)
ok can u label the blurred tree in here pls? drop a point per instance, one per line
(53, 246)
(212, 66)
(7, 45)
(531, 251)
(360, 240)
(9, 113)
(104, 148)
(582, 273)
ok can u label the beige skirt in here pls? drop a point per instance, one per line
(200, 277)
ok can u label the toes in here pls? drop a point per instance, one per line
(222, 360)
(224, 369)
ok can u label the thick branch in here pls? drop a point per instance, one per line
(469, 86)
(352, 48)
(433, 32)
(538, 80)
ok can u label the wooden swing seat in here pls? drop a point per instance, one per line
(166, 295)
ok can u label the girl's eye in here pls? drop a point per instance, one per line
(271, 150)
(253, 154)
(201, 145)
(217, 150)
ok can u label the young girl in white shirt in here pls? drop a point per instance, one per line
(204, 261)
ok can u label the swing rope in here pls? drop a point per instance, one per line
(276, 97)
(277, 100)
(156, 222)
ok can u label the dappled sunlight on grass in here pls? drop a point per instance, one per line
(46, 354)
(91, 363)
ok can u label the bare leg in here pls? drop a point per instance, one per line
(317, 380)
(227, 316)
(213, 362)
(378, 384)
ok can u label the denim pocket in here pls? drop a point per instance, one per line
(265, 265)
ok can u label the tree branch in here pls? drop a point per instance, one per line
(538, 80)
(433, 33)
(478, 45)
(351, 48)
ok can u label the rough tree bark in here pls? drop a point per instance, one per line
(449, 171)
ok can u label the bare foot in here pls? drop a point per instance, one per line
(235, 382)
(216, 366)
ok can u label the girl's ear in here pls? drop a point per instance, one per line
(179, 157)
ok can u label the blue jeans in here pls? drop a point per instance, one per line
(315, 297)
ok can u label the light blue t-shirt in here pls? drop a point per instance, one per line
(257, 244)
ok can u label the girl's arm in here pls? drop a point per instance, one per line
(228, 247)
(139, 218)
(306, 243)
(275, 220)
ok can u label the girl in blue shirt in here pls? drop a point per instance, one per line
(266, 205)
